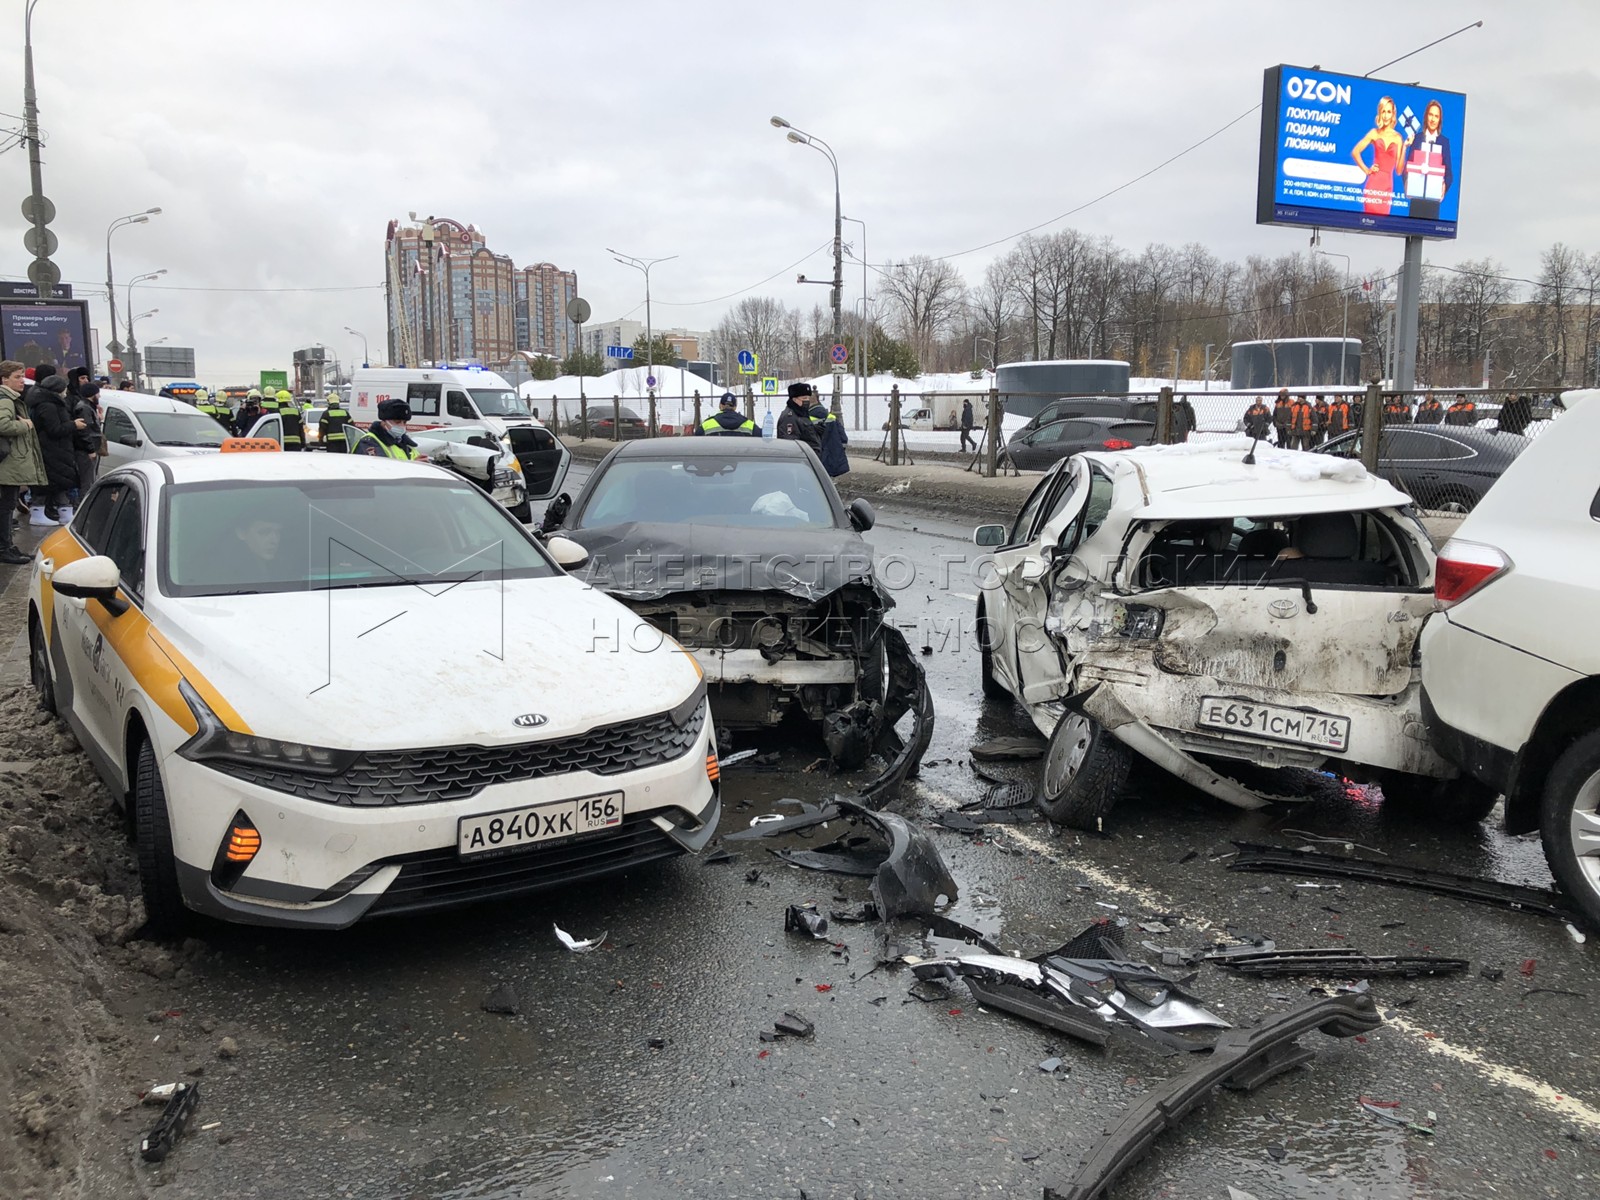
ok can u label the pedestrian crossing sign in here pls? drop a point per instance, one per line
(769, 386)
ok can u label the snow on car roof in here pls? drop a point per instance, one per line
(268, 465)
(1211, 479)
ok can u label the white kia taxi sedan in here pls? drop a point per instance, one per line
(331, 687)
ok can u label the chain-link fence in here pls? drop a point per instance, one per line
(1442, 447)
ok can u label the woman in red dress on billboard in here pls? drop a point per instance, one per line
(1387, 151)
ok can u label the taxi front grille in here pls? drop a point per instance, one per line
(389, 777)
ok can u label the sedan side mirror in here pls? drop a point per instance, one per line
(989, 535)
(567, 553)
(862, 518)
(129, 439)
(93, 578)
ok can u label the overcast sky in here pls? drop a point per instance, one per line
(280, 138)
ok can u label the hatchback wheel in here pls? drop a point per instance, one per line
(1569, 824)
(158, 869)
(992, 687)
(1084, 770)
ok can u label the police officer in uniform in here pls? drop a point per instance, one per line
(387, 437)
(331, 426)
(728, 420)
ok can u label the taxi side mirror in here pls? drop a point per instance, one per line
(93, 578)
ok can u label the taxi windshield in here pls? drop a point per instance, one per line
(231, 538)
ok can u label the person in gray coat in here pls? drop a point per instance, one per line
(23, 465)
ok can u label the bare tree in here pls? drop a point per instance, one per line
(927, 294)
(1553, 300)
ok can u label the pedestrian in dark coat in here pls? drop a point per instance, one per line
(794, 422)
(1283, 418)
(830, 431)
(57, 428)
(966, 426)
(86, 442)
(1516, 414)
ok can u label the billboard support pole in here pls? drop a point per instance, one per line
(1406, 316)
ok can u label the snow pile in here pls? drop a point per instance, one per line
(1302, 466)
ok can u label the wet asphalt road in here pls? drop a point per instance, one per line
(367, 1068)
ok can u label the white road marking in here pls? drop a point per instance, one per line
(1558, 1101)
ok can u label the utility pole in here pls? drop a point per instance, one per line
(36, 209)
(802, 138)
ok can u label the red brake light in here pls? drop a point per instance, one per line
(1464, 568)
(1117, 444)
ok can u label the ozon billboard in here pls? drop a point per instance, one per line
(1347, 152)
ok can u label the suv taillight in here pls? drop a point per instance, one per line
(1118, 444)
(1465, 568)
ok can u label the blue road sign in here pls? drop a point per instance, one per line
(841, 354)
(619, 351)
(747, 362)
(649, 381)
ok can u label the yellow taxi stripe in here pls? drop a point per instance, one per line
(154, 662)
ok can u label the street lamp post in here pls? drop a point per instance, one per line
(801, 138)
(111, 292)
(1344, 335)
(133, 346)
(365, 360)
(643, 265)
(862, 336)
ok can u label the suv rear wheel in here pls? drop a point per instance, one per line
(1084, 770)
(1569, 824)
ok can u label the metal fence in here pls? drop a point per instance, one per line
(1443, 447)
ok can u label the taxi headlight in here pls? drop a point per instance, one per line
(684, 713)
(214, 742)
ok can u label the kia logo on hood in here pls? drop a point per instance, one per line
(530, 720)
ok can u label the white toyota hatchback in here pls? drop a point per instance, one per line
(330, 687)
(1511, 665)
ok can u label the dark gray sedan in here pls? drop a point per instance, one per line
(1040, 448)
(1446, 468)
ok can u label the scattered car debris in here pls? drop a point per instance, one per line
(1324, 840)
(1235, 1194)
(804, 918)
(862, 914)
(794, 1025)
(580, 945)
(160, 1093)
(1387, 1112)
(928, 991)
(906, 691)
(158, 1143)
(1576, 934)
(958, 821)
(1544, 991)
(1318, 961)
(1242, 1058)
(1253, 857)
(1050, 1065)
(502, 1000)
(940, 925)
(1492, 974)
(656, 1043)
(1001, 749)
(1085, 974)
(775, 824)
(735, 759)
(720, 855)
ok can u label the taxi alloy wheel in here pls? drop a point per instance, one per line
(1083, 773)
(39, 666)
(158, 869)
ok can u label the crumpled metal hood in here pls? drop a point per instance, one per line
(645, 561)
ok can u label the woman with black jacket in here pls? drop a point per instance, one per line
(86, 442)
(56, 427)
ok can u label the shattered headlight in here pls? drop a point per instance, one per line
(1138, 622)
(215, 742)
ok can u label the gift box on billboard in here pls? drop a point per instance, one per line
(1425, 173)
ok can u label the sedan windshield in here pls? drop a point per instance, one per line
(497, 402)
(760, 493)
(181, 429)
(235, 538)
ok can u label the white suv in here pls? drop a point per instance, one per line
(1511, 665)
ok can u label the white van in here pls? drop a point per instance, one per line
(453, 397)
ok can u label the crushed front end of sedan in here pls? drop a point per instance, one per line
(741, 551)
(1241, 618)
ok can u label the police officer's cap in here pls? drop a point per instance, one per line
(394, 410)
(729, 400)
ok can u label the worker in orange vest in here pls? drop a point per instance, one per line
(1302, 423)
(1430, 411)
(1341, 419)
(1461, 412)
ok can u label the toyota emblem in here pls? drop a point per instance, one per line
(530, 720)
(1283, 609)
